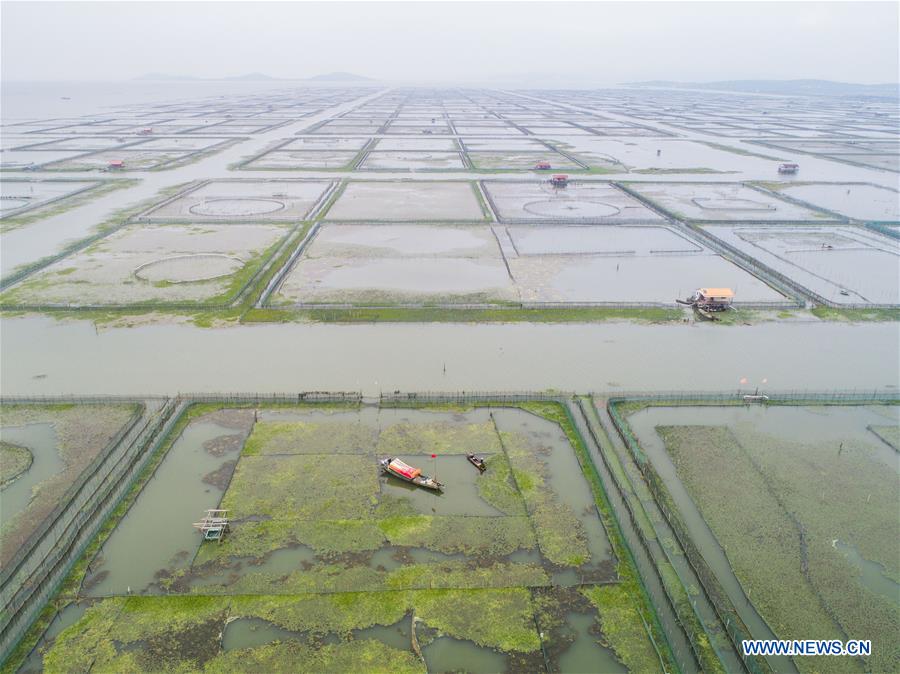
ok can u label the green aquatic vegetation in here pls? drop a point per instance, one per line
(258, 538)
(141, 617)
(404, 527)
(310, 437)
(354, 577)
(159, 634)
(501, 619)
(438, 314)
(359, 655)
(560, 534)
(629, 580)
(439, 437)
(864, 613)
(87, 641)
(345, 566)
(339, 536)
(739, 505)
(14, 461)
(459, 574)
(320, 614)
(497, 487)
(622, 626)
(302, 487)
(394, 506)
(320, 578)
(182, 634)
(843, 493)
(472, 536)
(855, 315)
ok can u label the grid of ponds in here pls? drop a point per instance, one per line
(407, 263)
(842, 264)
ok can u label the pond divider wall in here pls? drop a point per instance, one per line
(885, 229)
(655, 601)
(734, 625)
(665, 595)
(279, 276)
(28, 557)
(32, 582)
(32, 207)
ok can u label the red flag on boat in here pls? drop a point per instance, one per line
(434, 456)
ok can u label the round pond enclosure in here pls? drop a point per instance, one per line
(236, 206)
(189, 268)
(568, 208)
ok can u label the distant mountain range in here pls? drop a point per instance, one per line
(784, 87)
(254, 77)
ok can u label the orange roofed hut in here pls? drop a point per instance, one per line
(715, 298)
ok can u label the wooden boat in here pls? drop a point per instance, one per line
(477, 461)
(703, 313)
(396, 467)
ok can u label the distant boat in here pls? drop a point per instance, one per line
(66, 98)
(477, 461)
(397, 468)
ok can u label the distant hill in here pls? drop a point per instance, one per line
(784, 87)
(339, 77)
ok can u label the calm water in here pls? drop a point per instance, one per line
(77, 358)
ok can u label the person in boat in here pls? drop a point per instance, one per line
(477, 461)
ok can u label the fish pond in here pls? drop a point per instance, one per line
(330, 565)
(795, 511)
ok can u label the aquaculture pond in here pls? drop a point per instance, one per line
(330, 565)
(795, 511)
(44, 449)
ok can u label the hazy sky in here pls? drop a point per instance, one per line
(463, 42)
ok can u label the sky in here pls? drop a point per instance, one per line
(477, 43)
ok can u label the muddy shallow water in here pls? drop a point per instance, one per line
(444, 357)
(40, 440)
